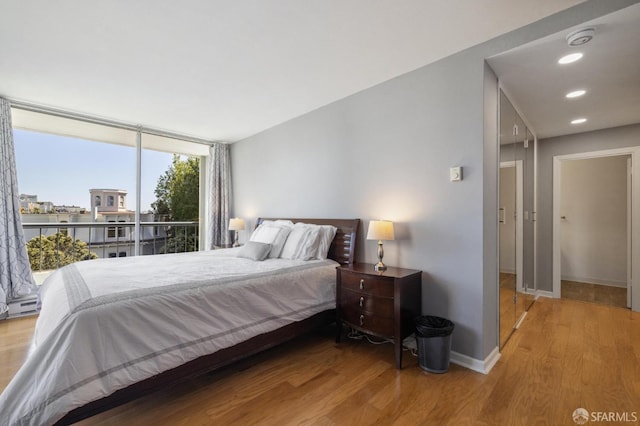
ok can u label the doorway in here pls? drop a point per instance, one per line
(595, 213)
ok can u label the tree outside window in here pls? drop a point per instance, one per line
(177, 199)
(54, 251)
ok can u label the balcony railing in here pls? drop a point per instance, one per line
(52, 245)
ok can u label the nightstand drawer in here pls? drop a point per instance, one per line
(373, 285)
(364, 302)
(371, 323)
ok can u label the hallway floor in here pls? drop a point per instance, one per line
(595, 293)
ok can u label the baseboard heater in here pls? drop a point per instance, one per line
(22, 307)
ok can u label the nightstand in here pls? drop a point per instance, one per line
(382, 304)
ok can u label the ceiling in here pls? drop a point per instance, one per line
(223, 70)
(609, 71)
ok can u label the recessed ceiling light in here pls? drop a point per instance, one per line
(575, 94)
(578, 121)
(570, 58)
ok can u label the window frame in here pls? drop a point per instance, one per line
(42, 119)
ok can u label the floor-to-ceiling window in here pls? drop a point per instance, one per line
(87, 176)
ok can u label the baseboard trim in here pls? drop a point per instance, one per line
(477, 365)
(544, 293)
(598, 281)
(520, 321)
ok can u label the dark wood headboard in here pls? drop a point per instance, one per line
(343, 247)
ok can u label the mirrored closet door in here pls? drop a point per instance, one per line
(516, 218)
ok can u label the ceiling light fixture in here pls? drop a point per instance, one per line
(570, 58)
(580, 37)
(578, 121)
(575, 94)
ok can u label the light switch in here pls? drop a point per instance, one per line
(455, 174)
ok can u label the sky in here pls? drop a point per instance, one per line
(62, 169)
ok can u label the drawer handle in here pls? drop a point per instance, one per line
(361, 284)
(361, 319)
(361, 302)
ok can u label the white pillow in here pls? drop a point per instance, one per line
(274, 233)
(278, 222)
(265, 234)
(294, 241)
(309, 247)
(327, 232)
(302, 242)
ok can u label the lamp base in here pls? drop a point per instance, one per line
(380, 266)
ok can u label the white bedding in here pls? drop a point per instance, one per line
(108, 323)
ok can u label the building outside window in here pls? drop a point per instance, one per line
(111, 231)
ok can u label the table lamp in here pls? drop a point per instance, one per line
(236, 225)
(381, 230)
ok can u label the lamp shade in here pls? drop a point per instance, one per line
(236, 224)
(380, 230)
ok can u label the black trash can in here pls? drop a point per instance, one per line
(433, 335)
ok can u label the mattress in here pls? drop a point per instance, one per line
(108, 323)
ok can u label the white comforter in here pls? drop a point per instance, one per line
(108, 323)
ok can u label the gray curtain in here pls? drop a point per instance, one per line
(16, 279)
(218, 196)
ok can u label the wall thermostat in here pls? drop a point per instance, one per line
(455, 174)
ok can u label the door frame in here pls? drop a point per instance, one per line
(629, 226)
(633, 234)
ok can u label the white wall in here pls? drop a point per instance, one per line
(593, 234)
(385, 153)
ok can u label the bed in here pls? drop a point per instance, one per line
(126, 327)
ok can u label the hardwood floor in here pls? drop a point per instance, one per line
(566, 355)
(595, 293)
(507, 318)
(510, 312)
(15, 336)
